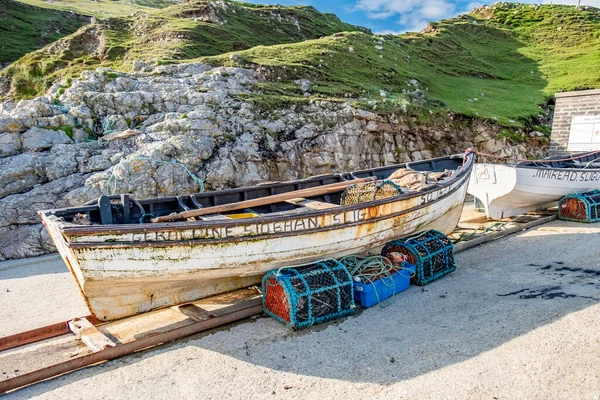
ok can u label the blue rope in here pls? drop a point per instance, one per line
(107, 126)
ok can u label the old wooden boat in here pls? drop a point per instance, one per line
(508, 190)
(124, 264)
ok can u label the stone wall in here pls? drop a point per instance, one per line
(569, 105)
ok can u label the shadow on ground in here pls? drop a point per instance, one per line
(24, 268)
(500, 291)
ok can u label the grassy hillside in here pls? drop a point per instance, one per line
(25, 28)
(563, 41)
(466, 68)
(179, 32)
(502, 63)
(499, 63)
(103, 8)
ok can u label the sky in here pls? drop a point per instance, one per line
(398, 16)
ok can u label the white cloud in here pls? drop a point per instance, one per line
(437, 9)
(413, 15)
(389, 32)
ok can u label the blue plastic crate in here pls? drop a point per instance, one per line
(370, 294)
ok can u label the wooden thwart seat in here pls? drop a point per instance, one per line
(316, 205)
(213, 217)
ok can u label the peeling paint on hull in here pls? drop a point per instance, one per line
(120, 276)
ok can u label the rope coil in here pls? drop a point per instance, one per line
(368, 269)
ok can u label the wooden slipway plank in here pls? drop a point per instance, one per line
(22, 366)
(462, 246)
(125, 349)
(90, 335)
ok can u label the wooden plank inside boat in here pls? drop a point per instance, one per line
(266, 200)
(315, 205)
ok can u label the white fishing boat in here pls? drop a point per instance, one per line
(125, 264)
(508, 190)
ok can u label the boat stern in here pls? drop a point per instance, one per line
(490, 182)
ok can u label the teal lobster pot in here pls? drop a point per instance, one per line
(308, 295)
(431, 252)
(580, 207)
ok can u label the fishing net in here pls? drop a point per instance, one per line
(308, 295)
(377, 278)
(432, 252)
(580, 207)
(369, 191)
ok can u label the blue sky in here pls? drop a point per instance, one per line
(396, 16)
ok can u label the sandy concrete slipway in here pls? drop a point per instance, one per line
(518, 319)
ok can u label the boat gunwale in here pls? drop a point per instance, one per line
(85, 230)
(172, 243)
(549, 168)
(555, 159)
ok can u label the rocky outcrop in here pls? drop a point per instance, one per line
(167, 130)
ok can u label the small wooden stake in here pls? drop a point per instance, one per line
(90, 335)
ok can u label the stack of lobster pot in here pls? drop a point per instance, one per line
(431, 252)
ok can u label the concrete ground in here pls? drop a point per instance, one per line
(520, 318)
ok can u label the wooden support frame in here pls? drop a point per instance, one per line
(37, 335)
(90, 335)
(199, 320)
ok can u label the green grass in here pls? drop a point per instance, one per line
(67, 129)
(470, 69)
(24, 28)
(500, 64)
(563, 41)
(102, 8)
(180, 32)
(501, 69)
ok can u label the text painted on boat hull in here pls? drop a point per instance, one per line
(571, 176)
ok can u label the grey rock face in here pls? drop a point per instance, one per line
(36, 139)
(166, 130)
(10, 144)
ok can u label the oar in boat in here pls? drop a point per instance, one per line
(261, 201)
